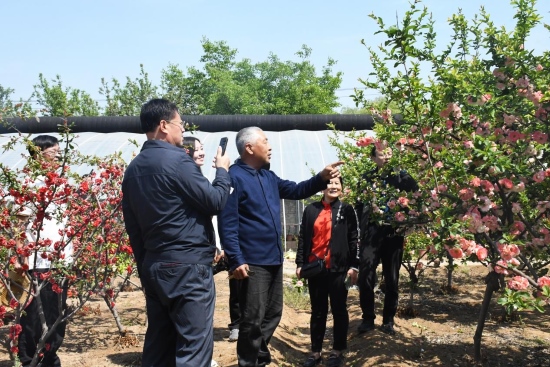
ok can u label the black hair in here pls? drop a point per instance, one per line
(43, 142)
(373, 151)
(341, 181)
(154, 111)
(189, 144)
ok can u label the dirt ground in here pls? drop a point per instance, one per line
(441, 334)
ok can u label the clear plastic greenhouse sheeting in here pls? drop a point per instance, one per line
(295, 153)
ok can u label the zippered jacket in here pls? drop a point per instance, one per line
(250, 224)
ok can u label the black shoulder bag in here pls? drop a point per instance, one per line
(314, 268)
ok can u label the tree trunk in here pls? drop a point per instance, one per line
(492, 281)
(450, 269)
(113, 310)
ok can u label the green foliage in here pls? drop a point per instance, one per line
(59, 101)
(127, 100)
(5, 93)
(296, 294)
(223, 85)
(227, 86)
(516, 301)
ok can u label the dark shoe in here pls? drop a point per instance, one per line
(311, 361)
(365, 327)
(335, 360)
(388, 328)
(264, 359)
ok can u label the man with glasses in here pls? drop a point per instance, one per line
(167, 206)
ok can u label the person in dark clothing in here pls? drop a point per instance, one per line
(53, 305)
(329, 230)
(250, 231)
(168, 205)
(380, 243)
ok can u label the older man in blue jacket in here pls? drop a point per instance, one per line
(250, 229)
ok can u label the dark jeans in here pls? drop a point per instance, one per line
(261, 301)
(32, 327)
(234, 309)
(180, 300)
(377, 247)
(320, 289)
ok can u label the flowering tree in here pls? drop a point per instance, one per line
(89, 207)
(475, 135)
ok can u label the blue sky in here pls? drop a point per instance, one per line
(85, 40)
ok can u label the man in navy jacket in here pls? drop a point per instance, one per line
(167, 206)
(250, 229)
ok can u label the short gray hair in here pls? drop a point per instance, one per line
(246, 136)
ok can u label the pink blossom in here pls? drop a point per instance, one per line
(541, 113)
(487, 186)
(475, 182)
(516, 208)
(467, 246)
(484, 99)
(539, 67)
(481, 253)
(403, 201)
(541, 206)
(365, 141)
(544, 282)
(519, 187)
(539, 176)
(485, 203)
(491, 222)
(391, 204)
(455, 252)
(499, 74)
(509, 119)
(501, 86)
(449, 124)
(399, 216)
(517, 227)
(514, 136)
(501, 267)
(523, 82)
(466, 194)
(468, 144)
(508, 251)
(442, 188)
(438, 165)
(434, 234)
(518, 283)
(506, 183)
(535, 97)
(539, 137)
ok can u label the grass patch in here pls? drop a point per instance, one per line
(296, 299)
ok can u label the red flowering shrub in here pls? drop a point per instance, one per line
(87, 210)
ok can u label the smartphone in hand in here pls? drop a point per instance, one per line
(223, 144)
